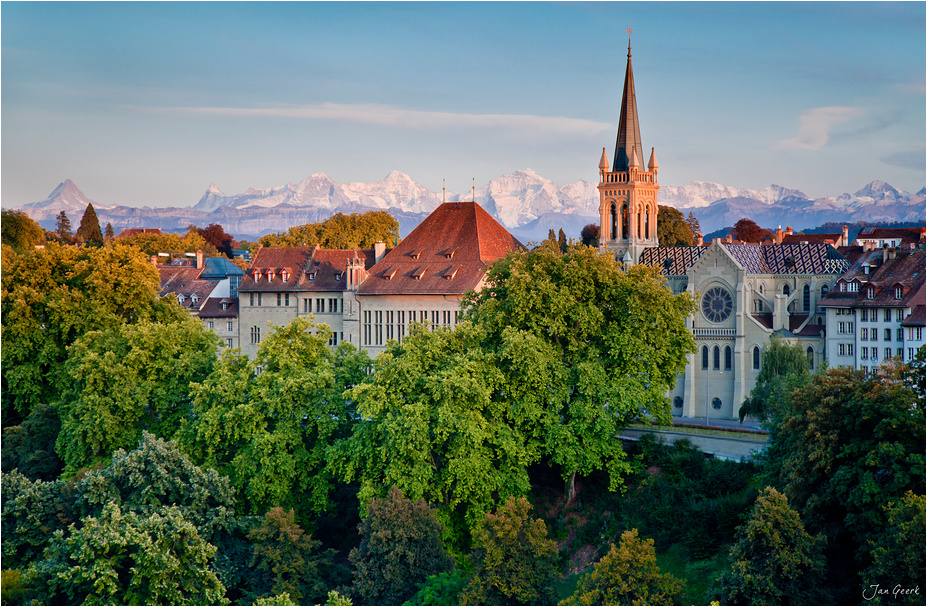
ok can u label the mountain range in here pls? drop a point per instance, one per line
(524, 202)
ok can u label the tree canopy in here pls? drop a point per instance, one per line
(784, 368)
(589, 235)
(340, 231)
(19, 231)
(746, 230)
(89, 232)
(672, 229)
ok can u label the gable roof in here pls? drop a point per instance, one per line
(832, 239)
(308, 269)
(907, 235)
(446, 254)
(213, 308)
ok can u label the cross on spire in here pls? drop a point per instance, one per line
(629, 30)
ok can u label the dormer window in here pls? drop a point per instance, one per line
(418, 273)
(415, 254)
(843, 287)
(870, 293)
(257, 276)
(337, 275)
(898, 292)
(284, 276)
(180, 299)
(866, 269)
(194, 299)
(311, 275)
(388, 273)
(854, 287)
(450, 254)
(270, 275)
(451, 272)
(225, 305)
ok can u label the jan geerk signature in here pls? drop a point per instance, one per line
(873, 591)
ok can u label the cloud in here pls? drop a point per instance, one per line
(814, 127)
(397, 117)
(908, 159)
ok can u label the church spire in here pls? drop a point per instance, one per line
(629, 133)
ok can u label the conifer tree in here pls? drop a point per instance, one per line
(562, 241)
(89, 230)
(692, 221)
(63, 227)
(108, 234)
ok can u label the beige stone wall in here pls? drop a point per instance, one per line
(382, 318)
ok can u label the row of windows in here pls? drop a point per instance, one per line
(845, 349)
(334, 305)
(886, 353)
(846, 327)
(867, 315)
(873, 334)
(729, 356)
(394, 323)
(212, 325)
(715, 403)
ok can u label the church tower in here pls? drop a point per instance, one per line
(627, 193)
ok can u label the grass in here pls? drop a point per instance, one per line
(700, 577)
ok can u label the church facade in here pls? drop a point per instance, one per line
(746, 293)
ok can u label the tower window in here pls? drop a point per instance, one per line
(704, 357)
(717, 358)
(728, 358)
(756, 357)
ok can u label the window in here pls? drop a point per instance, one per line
(366, 327)
(919, 333)
(864, 353)
(225, 305)
(716, 403)
(446, 317)
(888, 334)
(841, 349)
(434, 319)
(389, 324)
(910, 353)
(811, 358)
(806, 299)
(900, 353)
(870, 293)
(255, 335)
(887, 315)
(286, 299)
(898, 292)
(888, 353)
(259, 299)
(332, 306)
(284, 275)
(899, 314)
(319, 306)
(401, 329)
(677, 402)
(854, 287)
(378, 327)
(279, 296)
(305, 305)
(728, 358)
(863, 315)
(211, 325)
(180, 299)
(229, 342)
(864, 334)
(849, 349)
(252, 299)
(717, 358)
(785, 290)
(824, 290)
(231, 326)
(704, 357)
(756, 357)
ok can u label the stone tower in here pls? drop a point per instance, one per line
(627, 193)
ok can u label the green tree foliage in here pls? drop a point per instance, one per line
(597, 347)
(746, 230)
(694, 227)
(898, 558)
(31, 511)
(627, 575)
(127, 558)
(53, 296)
(173, 244)
(775, 561)
(108, 233)
(63, 228)
(562, 241)
(400, 547)
(19, 231)
(590, 235)
(12, 592)
(89, 230)
(269, 432)
(784, 367)
(672, 229)
(30, 446)
(122, 379)
(441, 589)
(850, 445)
(283, 556)
(514, 563)
(340, 231)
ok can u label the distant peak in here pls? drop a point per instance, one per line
(214, 189)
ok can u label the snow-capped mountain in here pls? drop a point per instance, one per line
(524, 202)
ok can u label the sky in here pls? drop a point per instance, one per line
(146, 104)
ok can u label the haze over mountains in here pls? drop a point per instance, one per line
(524, 202)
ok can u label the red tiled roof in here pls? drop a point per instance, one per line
(914, 235)
(812, 238)
(906, 270)
(309, 268)
(446, 254)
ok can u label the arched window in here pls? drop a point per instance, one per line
(824, 291)
(638, 235)
(786, 290)
(716, 403)
(728, 358)
(761, 289)
(704, 357)
(614, 221)
(756, 357)
(677, 402)
(625, 222)
(647, 224)
(806, 299)
(717, 358)
(811, 357)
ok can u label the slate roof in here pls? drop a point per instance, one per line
(182, 280)
(814, 258)
(906, 270)
(916, 318)
(308, 269)
(220, 267)
(446, 254)
(213, 308)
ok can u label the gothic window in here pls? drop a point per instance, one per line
(728, 358)
(717, 358)
(625, 222)
(614, 222)
(785, 290)
(811, 358)
(756, 357)
(806, 299)
(704, 357)
(647, 224)
(638, 235)
(717, 304)
(823, 291)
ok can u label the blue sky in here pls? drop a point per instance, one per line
(148, 103)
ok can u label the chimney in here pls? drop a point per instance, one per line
(379, 250)
(729, 239)
(199, 259)
(154, 260)
(698, 240)
(885, 256)
(788, 230)
(355, 273)
(846, 237)
(779, 235)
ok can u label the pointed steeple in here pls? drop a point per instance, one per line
(629, 132)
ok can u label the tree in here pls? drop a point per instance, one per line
(30, 446)
(340, 231)
(121, 380)
(214, 235)
(269, 432)
(53, 296)
(897, 557)
(784, 367)
(590, 235)
(19, 231)
(513, 560)
(627, 575)
(174, 244)
(591, 347)
(283, 554)
(672, 229)
(63, 228)
(89, 230)
(109, 234)
(775, 561)
(562, 241)
(400, 547)
(128, 559)
(694, 227)
(746, 230)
